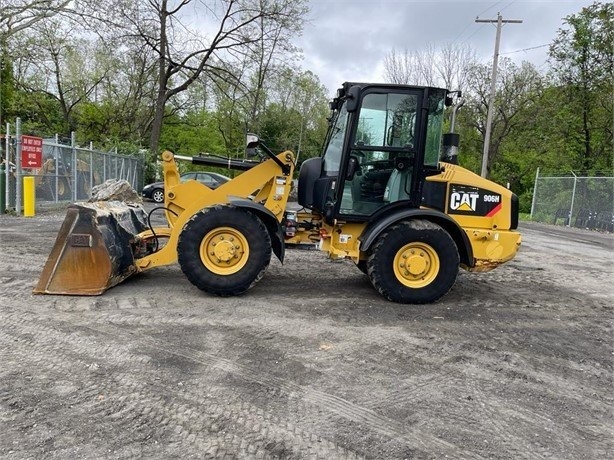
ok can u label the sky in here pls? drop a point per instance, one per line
(347, 40)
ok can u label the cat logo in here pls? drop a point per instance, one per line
(464, 201)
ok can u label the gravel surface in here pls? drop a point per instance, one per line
(311, 363)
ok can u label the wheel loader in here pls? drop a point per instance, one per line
(59, 186)
(382, 194)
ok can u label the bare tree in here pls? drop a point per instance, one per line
(446, 67)
(453, 65)
(17, 15)
(185, 52)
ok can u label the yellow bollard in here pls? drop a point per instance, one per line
(29, 197)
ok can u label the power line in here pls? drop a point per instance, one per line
(468, 25)
(506, 6)
(490, 7)
(527, 49)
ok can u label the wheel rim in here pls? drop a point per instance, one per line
(416, 265)
(224, 251)
(158, 196)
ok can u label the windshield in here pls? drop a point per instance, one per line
(334, 149)
(387, 120)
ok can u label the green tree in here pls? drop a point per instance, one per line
(516, 98)
(295, 118)
(582, 58)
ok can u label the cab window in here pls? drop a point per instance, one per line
(384, 138)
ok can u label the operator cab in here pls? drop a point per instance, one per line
(382, 142)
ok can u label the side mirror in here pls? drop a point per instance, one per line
(353, 95)
(252, 143)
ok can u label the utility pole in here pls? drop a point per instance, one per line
(500, 21)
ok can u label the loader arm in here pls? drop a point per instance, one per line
(265, 183)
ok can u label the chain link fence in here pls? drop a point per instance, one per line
(68, 172)
(574, 201)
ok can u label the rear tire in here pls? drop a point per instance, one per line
(224, 250)
(414, 262)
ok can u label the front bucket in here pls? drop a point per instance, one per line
(93, 250)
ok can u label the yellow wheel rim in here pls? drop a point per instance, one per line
(416, 265)
(224, 251)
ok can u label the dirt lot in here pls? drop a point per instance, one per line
(311, 363)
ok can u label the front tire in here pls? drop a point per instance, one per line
(63, 190)
(224, 250)
(414, 262)
(362, 266)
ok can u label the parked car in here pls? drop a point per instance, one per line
(212, 180)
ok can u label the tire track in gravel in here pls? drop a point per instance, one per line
(548, 437)
(412, 436)
(250, 421)
(337, 405)
(499, 431)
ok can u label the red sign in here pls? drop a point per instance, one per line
(31, 152)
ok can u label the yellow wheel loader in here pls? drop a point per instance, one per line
(382, 194)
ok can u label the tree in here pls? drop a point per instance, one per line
(447, 67)
(582, 58)
(19, 15)
(183, 54)
(295, 118)
(61, 65)
(517, 92)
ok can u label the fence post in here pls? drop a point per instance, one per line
(18, 183)
(573, 198)
(534, 192)
(7, 168)
(74, 165)
(56, 159)
(91, 168)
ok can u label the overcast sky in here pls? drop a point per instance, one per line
(346, 40)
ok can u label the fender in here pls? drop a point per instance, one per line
(392, 216)
(269, 220)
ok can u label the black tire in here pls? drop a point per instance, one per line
(63, 190)
(413, 262)
(158, 195)
(224, 250)
(44, 191)
(83, 189)
(362, 266)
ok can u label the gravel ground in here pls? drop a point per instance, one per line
(311, 363)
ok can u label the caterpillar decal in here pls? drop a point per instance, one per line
(466, 200)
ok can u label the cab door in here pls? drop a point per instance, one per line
(382, 149)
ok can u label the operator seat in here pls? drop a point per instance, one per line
(368, 190)
(398, 186)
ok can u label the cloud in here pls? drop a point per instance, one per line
(345, 40)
